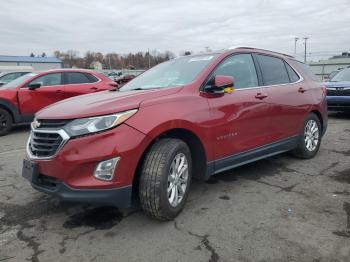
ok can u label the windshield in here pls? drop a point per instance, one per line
(175, 72)
(343, 75)
(19, 81)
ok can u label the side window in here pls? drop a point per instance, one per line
(292, 75)
(9, 77)
(241, 68)
(273, 70)
(77, 78)
(48, 80)
(92, 78)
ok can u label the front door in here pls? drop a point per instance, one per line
(50, 91)
(240, 120)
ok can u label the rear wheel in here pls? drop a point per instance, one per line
(310, 139)
(5, 122)
(165, 178)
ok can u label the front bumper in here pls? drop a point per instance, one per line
(338, 102)
(119, 197)
(71, 169)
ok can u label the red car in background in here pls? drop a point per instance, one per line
(21, 98)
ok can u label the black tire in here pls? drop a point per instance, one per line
(5, 122)
(154, 178)
(301, 150)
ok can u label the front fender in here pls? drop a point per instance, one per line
(11, 108)
(192, 116)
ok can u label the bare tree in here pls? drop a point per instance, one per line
(139, 60)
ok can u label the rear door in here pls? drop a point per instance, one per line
(288, 96)
(240, 120)
(79, 83)
(50, 91)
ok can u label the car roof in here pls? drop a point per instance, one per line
(60, 70)
(246, 49)
(259, 50)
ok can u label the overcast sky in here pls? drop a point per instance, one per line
(128, 26)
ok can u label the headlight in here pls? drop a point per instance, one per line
(90, 125)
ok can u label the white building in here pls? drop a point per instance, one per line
(96, 65)
(37, 63)
(323, 68)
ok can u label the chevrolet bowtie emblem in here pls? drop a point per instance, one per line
(36, 124)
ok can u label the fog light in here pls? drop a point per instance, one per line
(105, 169)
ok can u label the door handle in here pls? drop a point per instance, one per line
(302, 90)
(59, 92)
(260, 96)
(94, 89)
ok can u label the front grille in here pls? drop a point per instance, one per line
(339, 92)
(44, 144)
(52, 123)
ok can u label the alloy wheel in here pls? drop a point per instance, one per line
(311, 135)
(177, 180)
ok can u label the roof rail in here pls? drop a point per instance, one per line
(259, 49)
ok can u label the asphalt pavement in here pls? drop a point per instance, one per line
(276, 209)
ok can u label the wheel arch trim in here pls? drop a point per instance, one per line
(169, 129)
(12, 109)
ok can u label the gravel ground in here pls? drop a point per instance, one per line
(277, 209)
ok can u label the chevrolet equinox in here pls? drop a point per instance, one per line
(190, 117)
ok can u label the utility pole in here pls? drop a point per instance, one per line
(305, 40)
(149, 60)
(295, 45)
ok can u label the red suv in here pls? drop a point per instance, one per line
(21, 98)
(192, 116)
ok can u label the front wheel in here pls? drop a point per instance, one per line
(5, 122)
(310, 139)
(165, 178)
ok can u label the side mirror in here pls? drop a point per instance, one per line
(34, 86)
(221, 84)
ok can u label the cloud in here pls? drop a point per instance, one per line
(133, 25)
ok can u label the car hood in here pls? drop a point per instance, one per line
(101, 103)
(338, 84)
